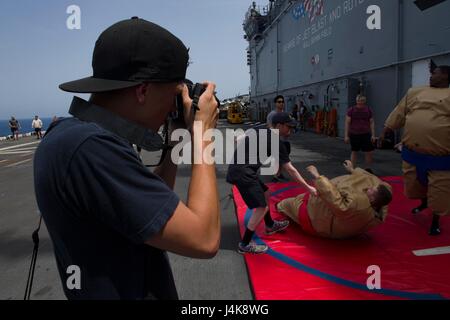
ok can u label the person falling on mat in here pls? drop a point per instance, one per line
(254, 192)
(346, 206)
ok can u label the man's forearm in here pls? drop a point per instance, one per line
(299, 179)
(203, 188)
(294, 174)
(167, 170)
(202, 195)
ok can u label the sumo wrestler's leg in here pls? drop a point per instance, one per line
(438, 197)
(435, 228)
(290, 207)
(423, 205)
(413, 188)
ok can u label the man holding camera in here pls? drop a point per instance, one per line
(105, 212)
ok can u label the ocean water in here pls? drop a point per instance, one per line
(25, 125)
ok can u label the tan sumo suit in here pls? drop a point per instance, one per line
(342, 208)
(425, 115)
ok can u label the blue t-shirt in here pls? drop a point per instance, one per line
(100, 204)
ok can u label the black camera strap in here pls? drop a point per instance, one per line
(196, 93)
(35, 237)
(166, 146)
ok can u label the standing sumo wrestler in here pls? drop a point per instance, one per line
(425, 115)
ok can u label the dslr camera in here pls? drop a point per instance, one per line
(195, 91)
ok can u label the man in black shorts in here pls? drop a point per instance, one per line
(253, 191)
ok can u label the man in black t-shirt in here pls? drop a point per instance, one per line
(253, 191)
(110, 219)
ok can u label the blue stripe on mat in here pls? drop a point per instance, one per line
(334, 279)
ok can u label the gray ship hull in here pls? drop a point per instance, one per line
(326, 52)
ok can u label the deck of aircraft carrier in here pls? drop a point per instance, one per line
(223, 277)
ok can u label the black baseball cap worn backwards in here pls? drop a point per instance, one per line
(283, 118)
(132, 52)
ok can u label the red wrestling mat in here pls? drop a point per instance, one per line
(302, 267)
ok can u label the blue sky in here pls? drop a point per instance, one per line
(38, 52)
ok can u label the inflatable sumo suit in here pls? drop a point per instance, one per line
(424, 113)
(341, 209)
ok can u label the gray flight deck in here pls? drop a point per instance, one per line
(224, 277)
